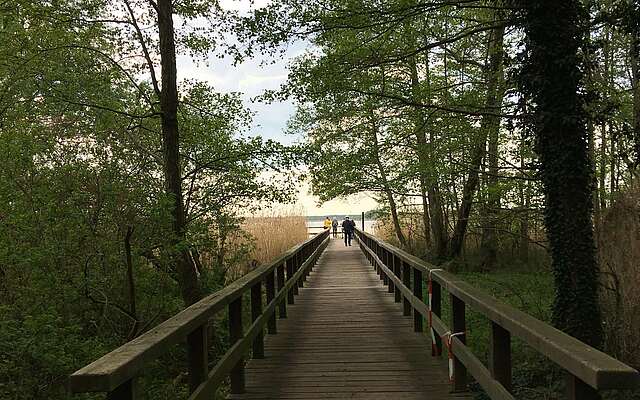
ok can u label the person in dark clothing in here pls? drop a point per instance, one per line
(347, 227)
(334, 225)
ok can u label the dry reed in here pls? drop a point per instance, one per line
(274, 234)
(618, 239)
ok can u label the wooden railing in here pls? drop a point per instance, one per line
(115, 373)
(587, 369)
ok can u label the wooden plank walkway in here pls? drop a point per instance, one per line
(345, 338)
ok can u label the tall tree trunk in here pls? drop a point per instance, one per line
(523, 244)
(634, 52)
(385, 184)
(431, 204)
(592, 157)
(489, 245)
(554, 31)
(591, 84)
(131, 283)
(612, 160)
(426, 221)
(490, 122)
(187, 277)
(602, 189)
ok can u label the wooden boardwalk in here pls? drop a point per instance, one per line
(346, 338)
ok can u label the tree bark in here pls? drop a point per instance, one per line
(187, 277)
(489, 245)
(489, 124)
(385, 184)
(554, 31)
(426, 223)
(189, 285)
(131, 283)
(431, 204)
(523, 186)
(602, 189)
(634, 52)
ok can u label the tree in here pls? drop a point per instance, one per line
(553, 75)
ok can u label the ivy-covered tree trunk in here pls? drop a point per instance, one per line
(554, 33)
(187, 277)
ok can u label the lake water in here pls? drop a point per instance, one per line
(314, 223)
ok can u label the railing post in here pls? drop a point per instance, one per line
(576, 389)
(406, 281)
(389, 263)
(126, 391)
(436, 309)
(235, 334)
(296, 265)
(458, 326)
(256, 311)
(309, 253)
(197, 354)
(396, 272)
(372, 246)
(272, 327)
(417, 291)
(301, 259)
(281, 283)
(290, 268)
(376, 248)
(385, 261)
(383, 276)
(500, 355)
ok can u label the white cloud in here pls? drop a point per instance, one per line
(351, 205)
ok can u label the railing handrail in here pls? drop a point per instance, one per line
(595, 368)
(113, 369)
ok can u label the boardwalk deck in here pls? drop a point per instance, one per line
(345, 338)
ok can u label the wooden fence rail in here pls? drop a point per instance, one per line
(588, 370)
(115, 373)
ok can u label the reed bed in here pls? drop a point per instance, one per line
(618, 240)
(274, 234)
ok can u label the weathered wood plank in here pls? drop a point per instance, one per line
(345, 337)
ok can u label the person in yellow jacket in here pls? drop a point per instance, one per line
(327, 223)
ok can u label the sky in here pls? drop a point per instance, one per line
(252, 78)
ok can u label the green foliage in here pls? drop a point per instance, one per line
(81, 181)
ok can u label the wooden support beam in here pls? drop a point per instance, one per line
(500, 355)
(272, 327)
(406, 281)
(235, 334)
(256, 311)
(417, 292)
(458, 325)
(197, 356)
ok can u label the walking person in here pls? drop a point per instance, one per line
(327, 223)
(347, 227)
(334, 225)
